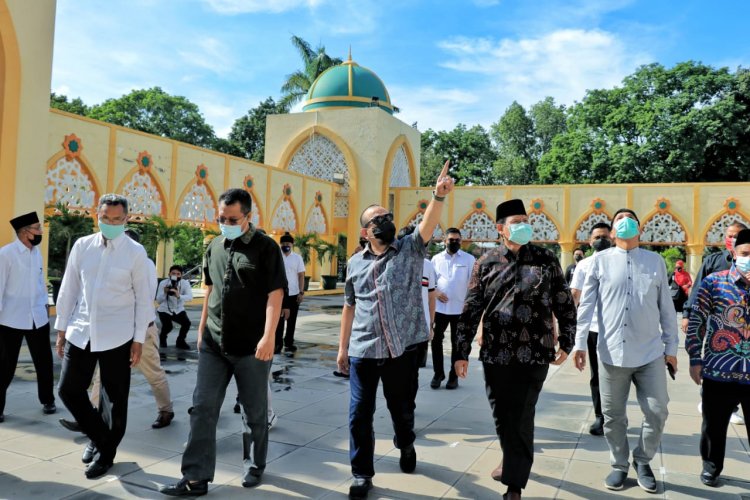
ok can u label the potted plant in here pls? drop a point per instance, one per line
(305, 243)
(325, 252)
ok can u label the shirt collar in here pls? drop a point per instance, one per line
(367, 248)
(246, 236)
(735, 276)
(113, 243)
(631, 251)
(21, 248)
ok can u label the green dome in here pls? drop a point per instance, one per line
(347, 85)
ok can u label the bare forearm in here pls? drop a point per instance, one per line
(301, 282)
(431, 219)
(347, 320)
(273, 312)
(204, 313)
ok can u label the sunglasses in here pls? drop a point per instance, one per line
(380, 219)
(230, 222)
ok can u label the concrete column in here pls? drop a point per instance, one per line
(566, 253)
(160, 270)
(694, 258)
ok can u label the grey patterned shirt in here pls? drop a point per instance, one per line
(386, 293)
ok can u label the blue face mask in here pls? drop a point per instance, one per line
(742, 264)
(231, 232)
(626, 228)
(520, 233)
(110, 231)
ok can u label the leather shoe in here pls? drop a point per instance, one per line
(436, 380)
(163, 419)
(2, 418)
(497, 474)
(452, 383)
(88, 453)
(408, 460)
(251, 479)
(71, 425)
(709, 479)
(97, 469)
(597, 428)
(359, 487)
(511, 495)
(181, 344)
(49, 409)
(185, 488)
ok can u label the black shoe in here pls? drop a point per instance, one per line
(289, 351)
(709, 479)
(452, 383)
(185, 488)
(2, 418)
(88, 453)
(646, 479)
(181, 344)
(615, 480)
(408, 460)
(277, 350)
(290, 348)
(597, 428)
(359, 487)
(71, 425)
(250, 480)
(163, 419)
(436, 380)
(97, 469)
(49, 409)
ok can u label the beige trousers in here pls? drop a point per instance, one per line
(150, 366)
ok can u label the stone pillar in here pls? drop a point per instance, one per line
(566, 253)
(160, 270)
(694, 258)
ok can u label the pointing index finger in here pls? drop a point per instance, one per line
(446, 166)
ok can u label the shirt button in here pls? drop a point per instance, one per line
(625, 325)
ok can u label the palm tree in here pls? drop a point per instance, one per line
(298, 83)
(69, 226)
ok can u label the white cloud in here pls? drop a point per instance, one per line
(232, 7)
(435, 108)
(208, 53)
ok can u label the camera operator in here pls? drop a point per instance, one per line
(171, 295)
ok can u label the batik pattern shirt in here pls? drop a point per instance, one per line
(718, 335)
(518, 294)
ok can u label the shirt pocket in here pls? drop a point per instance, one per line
(644, 284)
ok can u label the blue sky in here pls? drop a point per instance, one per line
(444, 61)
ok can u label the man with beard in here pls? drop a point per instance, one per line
(382, 318)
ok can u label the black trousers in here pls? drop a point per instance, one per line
(38, 341)
(441, 324)
(719, 402)
(513, 391)
(75, 377)
(288, 339)
(166, 325)
(594, 380)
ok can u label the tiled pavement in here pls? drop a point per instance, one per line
(308, 456)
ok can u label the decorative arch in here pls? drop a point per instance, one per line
(198, 203)
(545, 229)
(143, 189)
(399, 169)
(10, 106)
(69, 180)
(256, 214)
(584, 224)
(319, 152)
(284, 213)
(478, 225)
(417, 216)
(317, 222)
(661, 227)
(714, 231)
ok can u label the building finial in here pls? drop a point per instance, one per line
(350, 52)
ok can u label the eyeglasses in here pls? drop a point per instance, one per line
(115, 221)
(380, 219)
(230, 221)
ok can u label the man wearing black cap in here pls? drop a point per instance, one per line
(23, 310)
(516, 291)
(628, 288)
(295, 277)
(716, 341)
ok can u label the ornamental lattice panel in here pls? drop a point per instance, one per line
(400, 169)
(283, 218)
(316, 223)
(143, 196)
(663, 228)
(584, 230)
(319, 157)
(67, 183)
(479, 227)
(198, 205)
(715, 235)
(543, 228)
(437, 234)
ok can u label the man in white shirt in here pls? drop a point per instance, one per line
(295, 277)
(23, 310)
(453, 267)
(172, 294)
(637, 342)
(600, 240)
(103, 311)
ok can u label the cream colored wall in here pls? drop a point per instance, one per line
(27, 42)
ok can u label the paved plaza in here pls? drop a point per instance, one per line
(308, 454)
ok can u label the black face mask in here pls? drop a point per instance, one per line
(286, 248)
(362, 242)
(36, 239)
(578, 258)
(454, 246)
(601, 244)
(386, 232)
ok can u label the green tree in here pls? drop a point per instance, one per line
(514, 138)
(549, 121)
(470, 151)
(248, 133)
(157, 112)
(188, 246)
(65, 227)
(314, 62)
(61, 102)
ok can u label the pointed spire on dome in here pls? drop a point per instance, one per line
(350, 53)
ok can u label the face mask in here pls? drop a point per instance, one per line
(454, 246)
(601, 244)
(742, 264)
(678, 269)
(36, 239)
(578, 258)
(231, 232)
(174, 277)
(111, 231)
(362, 242)
(286, 248)
(386, 232)
(626, 228)
(520, 233)
(729, 243)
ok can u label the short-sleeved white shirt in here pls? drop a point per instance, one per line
(429, 280)
(293, 265)
(579, 276)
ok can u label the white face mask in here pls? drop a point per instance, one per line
(742, 264)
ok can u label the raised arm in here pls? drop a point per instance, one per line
(434, 210)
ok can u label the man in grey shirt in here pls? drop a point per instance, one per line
(382, 322)
(628, 288)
